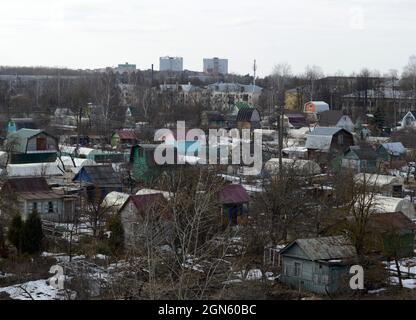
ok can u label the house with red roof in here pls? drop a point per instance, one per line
(144, 217)
(234, 201)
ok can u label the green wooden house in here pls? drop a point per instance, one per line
(31, 146)
(142, 162)
(362, 159)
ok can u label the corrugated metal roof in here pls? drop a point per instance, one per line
(100, 175)
(32, 184)
(328, 248)
(394, 148)
(325, 131)
(322, 143)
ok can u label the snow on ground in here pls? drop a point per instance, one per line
(5, 275)
(377, 291)
(34, 290)
(406, 266)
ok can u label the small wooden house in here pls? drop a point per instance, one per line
(361, 159)
(31, 146)
(393, 234)
(98, 181)
(325, 143)
(146, 217)
(124, 138)
(34, 194)
(143, 164)
(212, 120)
(389, 186)
(248, 118)
(234, 201)
(317, 265)
(391, 151)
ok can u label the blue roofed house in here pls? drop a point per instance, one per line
(391, 151)
(317, 265)
(98, 181)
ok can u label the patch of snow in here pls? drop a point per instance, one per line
(34, 290)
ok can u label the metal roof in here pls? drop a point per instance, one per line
(328, 248)
(32, 184)
(233, 194)
(325, 131)
(322, 143)
(394, 148)
(100, 175)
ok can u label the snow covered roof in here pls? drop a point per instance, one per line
(167, 195)
(301, 166)
(79, 163)
(388, 204)
(394, 148)
(378, 180)
(115, 200)
(325, 131)
(35, 169)
(322, 143)
(82, 151)
(299, 133)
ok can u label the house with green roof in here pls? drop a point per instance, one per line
(31, 146)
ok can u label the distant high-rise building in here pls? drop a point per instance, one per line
(216, 66)
(126, 68)
(171, 64)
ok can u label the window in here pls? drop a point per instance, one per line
(35, 206)
(50, 207)
(340, 139)
(297, 269)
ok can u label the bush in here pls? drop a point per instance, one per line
(26, 236)
(116, 241)
(15, 232)
(32, 234)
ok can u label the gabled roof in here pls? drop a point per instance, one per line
(100, 175)
(233, 194)
(391, 222)
(147, 202)
(330, 118)
(328, 248)
(363, 152)
(22, 136)
(394, 148)
(325, 131)
(33, 184)
(127, 134)
(246, 114)
(322, 143)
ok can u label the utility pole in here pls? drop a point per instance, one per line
(281, 122)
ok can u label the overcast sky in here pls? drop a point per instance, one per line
(333, 34)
